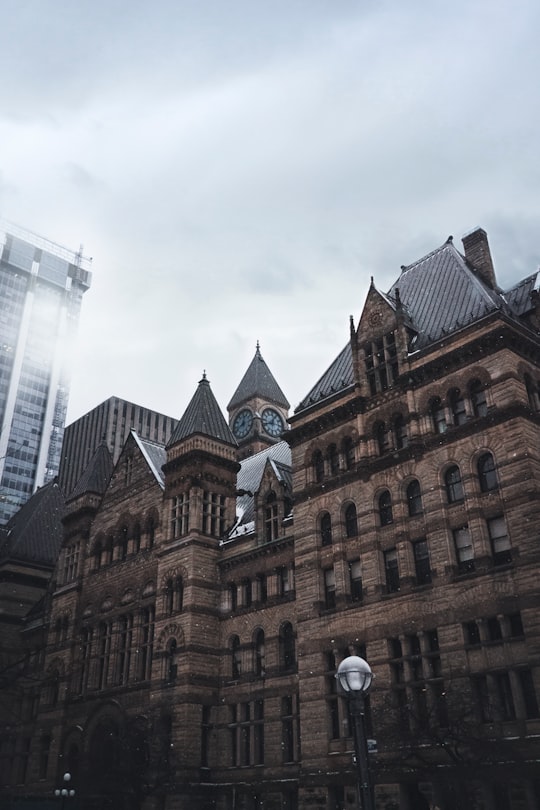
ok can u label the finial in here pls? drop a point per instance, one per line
(449, 240)
(258, 346)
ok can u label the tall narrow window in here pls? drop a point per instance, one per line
(487, 474)
(169, 597)
(464, 549)
(457, 406)
(533, 393)
(236, 661)
(351, 521)
(329, 588)
(180, 515)
(259, 663)
(401, 438)
(380, 357)
(438, 415)
(123, 543)
(347, 450)
(414, 498)
(355, 576)
(453, 484)
(104, 652)
(385, 508)
(326, 529)
(136, 538)
(147, 643)
(213, 518)
(333, 459)
(287, 647)
(271, 522)
(391, 570)
(422, 565)
(318, 466)
(124, 648)
(478, 398)
(500, 541)
(178, 599)
(171, 661)
(381, 434)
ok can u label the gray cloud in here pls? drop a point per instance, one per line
(240, 170)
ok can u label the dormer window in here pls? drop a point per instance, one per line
(380, 357)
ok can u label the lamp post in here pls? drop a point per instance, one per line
(65, 792)
(354, 676)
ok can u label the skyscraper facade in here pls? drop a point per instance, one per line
(41, 289)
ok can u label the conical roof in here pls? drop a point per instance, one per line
(96, 475)
(204, 416)
(258, 381)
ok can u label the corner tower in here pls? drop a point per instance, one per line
(258, 410)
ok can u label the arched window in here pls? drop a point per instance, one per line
(347, 450)
(351, 521)
(259, 662)
(487, 474)
(453, 484)
(401, 438)
(326, 529)
(236, 661)
(477, 394)
(271, 522)
(414, 498)
(438, 415)
(172, 662)
(385, 508)
(457, 406)
(333, 459)
(287, 647)
(381, 434)
(318, 466)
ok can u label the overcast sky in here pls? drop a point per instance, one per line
(238, 169)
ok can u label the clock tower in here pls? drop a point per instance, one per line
(258, 410)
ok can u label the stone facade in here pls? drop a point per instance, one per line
(201, 606)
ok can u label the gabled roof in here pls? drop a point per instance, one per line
(96, 475)
(437, 295)
(155, 455)
(258, 381)
(337, 377)
(520, 298)
(442, 293)
(203, 416)
(35, 532)
(251, 472)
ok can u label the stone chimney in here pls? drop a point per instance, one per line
(477, 252)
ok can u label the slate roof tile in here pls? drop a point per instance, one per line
(203, 415)
(258, 381)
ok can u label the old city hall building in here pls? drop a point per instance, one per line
(206, 590)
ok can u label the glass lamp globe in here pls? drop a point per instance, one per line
(354, 675)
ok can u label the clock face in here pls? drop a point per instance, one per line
(272, 422)
(242, 423)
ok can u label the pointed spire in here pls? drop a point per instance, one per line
(96, 475)
(203, 415)
(258, 381)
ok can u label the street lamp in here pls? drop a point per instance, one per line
(65, 792)
(354, 675)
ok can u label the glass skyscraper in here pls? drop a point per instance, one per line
(41, 288)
